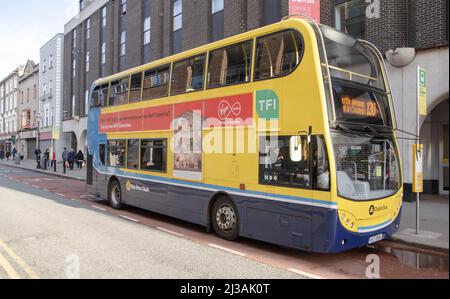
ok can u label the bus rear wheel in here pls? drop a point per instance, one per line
(225, 219)
(115, 195)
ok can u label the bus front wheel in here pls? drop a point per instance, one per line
(225, 219)
(115, 195)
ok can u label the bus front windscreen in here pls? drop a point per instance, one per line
(367, 167)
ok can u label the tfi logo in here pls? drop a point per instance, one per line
(226, 109)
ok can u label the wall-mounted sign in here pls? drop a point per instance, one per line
(310, 8)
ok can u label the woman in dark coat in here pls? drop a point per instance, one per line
(80, 159)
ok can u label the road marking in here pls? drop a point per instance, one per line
(34, 186)
(98, 208)
(46, 190)
(226, 249)
(170, 232)
(8, 268)
(26, 183)
(19, 261)
(59, 194)
(129, 218)
(306, 274)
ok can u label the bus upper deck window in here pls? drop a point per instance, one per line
(95, 100)
(278, 54)
(135, 88)
(188, 75)
(119, 92)
(156, 83)
(230, 65)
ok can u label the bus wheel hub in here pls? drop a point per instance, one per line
(226, 218)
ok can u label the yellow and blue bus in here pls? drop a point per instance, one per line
(284, 134)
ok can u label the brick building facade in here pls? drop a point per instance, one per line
(95, 44)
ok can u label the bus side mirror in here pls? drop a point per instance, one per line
(296, 149)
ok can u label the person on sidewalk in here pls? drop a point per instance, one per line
(2, 154)
(71, 158)
(53, 159)
(14, 153)
(8, 154)
(47, 157)
(80, 159)
(65, 156)
(38, 153)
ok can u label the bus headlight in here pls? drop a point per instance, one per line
(348, 221)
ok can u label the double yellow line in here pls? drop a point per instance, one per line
(9, 269)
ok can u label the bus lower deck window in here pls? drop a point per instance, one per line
(154, 155)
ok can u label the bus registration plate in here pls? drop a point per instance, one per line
(376, 238)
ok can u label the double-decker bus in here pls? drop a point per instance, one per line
(284, 134)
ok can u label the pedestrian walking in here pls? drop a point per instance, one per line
(47, 158)
(65, 157)
(80, 159)
(53, 159)
(38, 153)
(14, 153)
(2, 154)
(8, 154)
(71, 158)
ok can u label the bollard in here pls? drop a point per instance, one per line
(64, 167)
(54, 165)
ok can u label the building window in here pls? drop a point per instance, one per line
(177, 20)
(44, 66)
(123, 41)
(73, 105)
(74, 68)
(86, 102)
(154, 155)
(87, 61)
(188, 75)
(103, 54)
(123, 7)
(230, 65)
(74, 39)
(103, 17)
(51, 62)
(88, 28)
(271, 12)
(217, 20)
(350, 18)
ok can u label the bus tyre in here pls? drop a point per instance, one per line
(225, 219)
(115, 195)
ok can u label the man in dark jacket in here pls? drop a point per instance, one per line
(71, 158)
(38, 153)
(80, 159)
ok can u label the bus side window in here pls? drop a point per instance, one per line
(119, 92)
(154, 155)
(102, 153)
(188, 75)
(95, 100)
(103, 95)
(230, 65)
(133, 154)
(156, 83)
(321, 165)
(135, 88)
(278, 54)
(116, 153)
(276, 166)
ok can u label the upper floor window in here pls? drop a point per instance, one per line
(278, 54)
(147, 30)
(217, 20)
(123, 7)
(230, 65)
(271, 11)
(87, 61)
(103, 16)
(103, 54)
(123, 41)
(74, 39)
(188, 75)
(350, 17)
(88, 28)
(177, 24)
(44, 66)
(51, 62)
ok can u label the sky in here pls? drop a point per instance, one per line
(27, 25)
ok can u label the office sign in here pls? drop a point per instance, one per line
(309, 8)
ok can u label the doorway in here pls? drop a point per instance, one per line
(444, 168)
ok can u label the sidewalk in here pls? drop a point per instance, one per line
(434, 224)
(31, 165)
